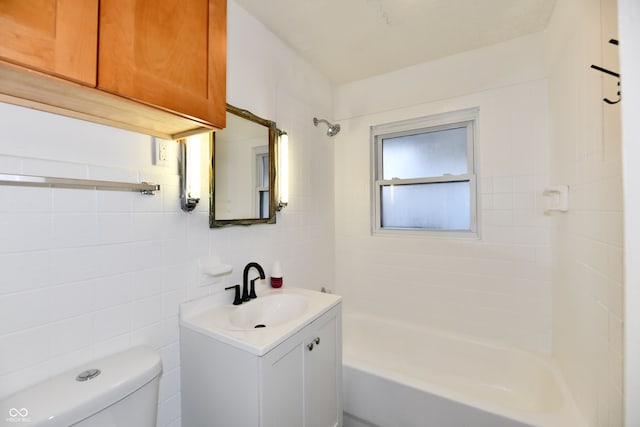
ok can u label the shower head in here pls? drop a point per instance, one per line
(333, 128)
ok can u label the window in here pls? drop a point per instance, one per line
(261, 157)
(424, 174)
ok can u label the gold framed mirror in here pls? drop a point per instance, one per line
(243, 171)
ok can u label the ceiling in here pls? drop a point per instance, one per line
(349, 40)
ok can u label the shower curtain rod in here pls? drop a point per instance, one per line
(45, 181)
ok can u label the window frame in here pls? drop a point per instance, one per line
(433, 123)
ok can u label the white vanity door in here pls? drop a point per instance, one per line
(282, 392)
(302, 377)
(323, 372)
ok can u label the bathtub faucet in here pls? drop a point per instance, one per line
(246, 295)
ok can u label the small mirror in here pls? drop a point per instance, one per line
(243, 171)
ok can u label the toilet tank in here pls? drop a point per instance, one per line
(124, 393)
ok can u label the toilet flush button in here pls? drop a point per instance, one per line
(88, 374)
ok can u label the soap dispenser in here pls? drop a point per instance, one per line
(276, 275)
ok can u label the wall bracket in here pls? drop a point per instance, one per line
(611, 73)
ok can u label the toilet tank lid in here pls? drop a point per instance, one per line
(62, 400)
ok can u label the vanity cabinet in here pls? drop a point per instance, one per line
(152, 66)
(302, 378)
(298, 383)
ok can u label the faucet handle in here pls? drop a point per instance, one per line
(237, 300)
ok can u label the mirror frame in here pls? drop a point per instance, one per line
(273, 173)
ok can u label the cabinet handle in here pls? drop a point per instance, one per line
(315, 340)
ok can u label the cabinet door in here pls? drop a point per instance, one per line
(323, 373)
(282, 391)
(57, 37)
(167, 53)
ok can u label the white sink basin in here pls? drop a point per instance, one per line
(257, 325)
(269, 311)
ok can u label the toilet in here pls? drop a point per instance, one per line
(120, 390)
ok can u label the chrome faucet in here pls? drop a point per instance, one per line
(246, 295)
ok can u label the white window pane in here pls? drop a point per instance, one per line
(264, 204)
(265, 170)
(439, 206)
(425, 155)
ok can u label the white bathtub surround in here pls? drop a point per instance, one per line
(497, 286)
(551, 284)
(397, 374)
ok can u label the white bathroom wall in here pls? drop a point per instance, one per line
(629, 16)
(271, 81)
(497, 286)
(86, 273)
(588, 240)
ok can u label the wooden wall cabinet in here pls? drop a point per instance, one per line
(157, 67)
(56, 37)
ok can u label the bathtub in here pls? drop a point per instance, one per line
(396, 375)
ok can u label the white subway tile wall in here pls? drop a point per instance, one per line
(588, 240)
(552, 284)
(84, 270)
(497, 286)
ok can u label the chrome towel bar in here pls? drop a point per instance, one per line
(44, 181)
